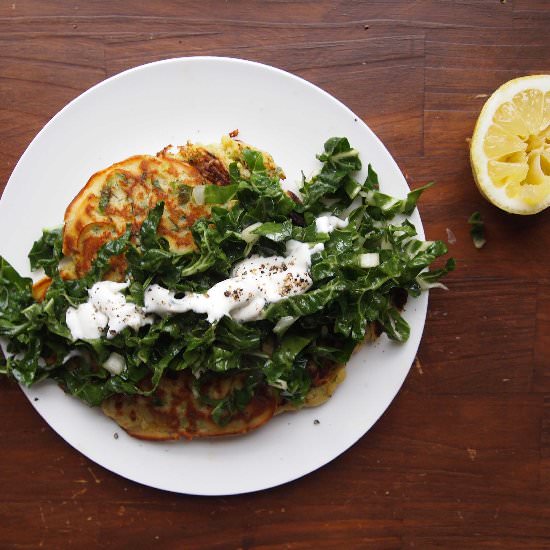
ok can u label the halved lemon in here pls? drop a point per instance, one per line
(510, 147)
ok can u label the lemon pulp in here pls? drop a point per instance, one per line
(517, 146)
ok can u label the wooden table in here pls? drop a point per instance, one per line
(462, 457)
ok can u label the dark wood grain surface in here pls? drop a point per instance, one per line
(461, 459)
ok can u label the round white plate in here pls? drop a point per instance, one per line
(199, 99)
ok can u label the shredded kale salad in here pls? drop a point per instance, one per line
(349, 293)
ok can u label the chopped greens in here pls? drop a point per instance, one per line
(356, 277)
(477, 230)
(104, 198)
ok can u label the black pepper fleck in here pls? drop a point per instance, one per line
(115, 435)
(316, 421)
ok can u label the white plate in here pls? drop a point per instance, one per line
(201, 98)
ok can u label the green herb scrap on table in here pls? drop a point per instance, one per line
(259, 316)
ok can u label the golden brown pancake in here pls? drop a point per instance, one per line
(213, 160)
(175, 410)
(124, 194)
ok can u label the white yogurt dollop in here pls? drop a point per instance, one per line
(105, 311)
(327, 223)
(255, 283)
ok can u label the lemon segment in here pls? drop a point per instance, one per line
(499, 143)
(510, 147)
(505, 173)
(529, 105)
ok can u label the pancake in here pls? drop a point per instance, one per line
(213, 160)
(176, 410)
(124, 193)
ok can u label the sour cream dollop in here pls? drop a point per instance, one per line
(327, 223)
(105, 311)
(254, 283)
